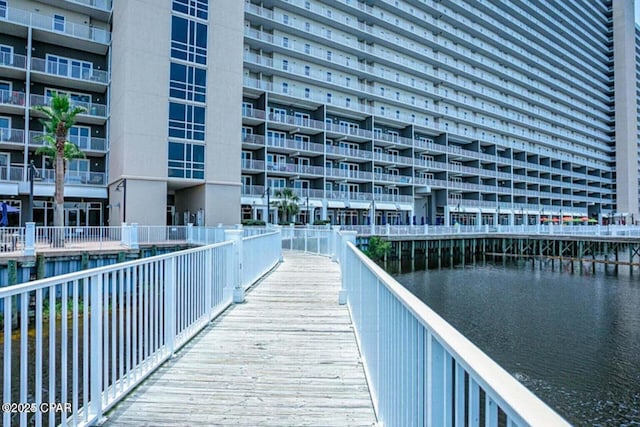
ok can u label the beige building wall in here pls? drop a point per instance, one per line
(626, 126)
(139, 106)
(139, 110)
(224, 114)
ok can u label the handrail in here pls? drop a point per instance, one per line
(99, 333)
(411, 352)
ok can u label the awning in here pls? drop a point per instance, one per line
(468, 210)
(386, 207)
(314, 203)
(359, 205)
(335, 204)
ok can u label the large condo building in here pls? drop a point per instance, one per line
(391, 111)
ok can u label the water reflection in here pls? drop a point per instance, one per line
(574, 340)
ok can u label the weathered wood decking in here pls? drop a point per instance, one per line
(287, 357)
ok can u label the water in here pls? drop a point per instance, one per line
(573, 340)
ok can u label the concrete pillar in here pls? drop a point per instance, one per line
(30, 239)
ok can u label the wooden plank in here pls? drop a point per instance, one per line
(288, 356)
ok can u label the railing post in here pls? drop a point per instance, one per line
(335, 239)
(347, 236)
(96, 352)
(30, 239)
(124, 241)
(189, 233)
(170, 304)
(388, 230)
(133, 236)
(236, 268)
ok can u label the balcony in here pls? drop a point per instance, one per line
(12, 102)
(11, 173)
(11, 138)
(294, 144)
(94, 113)
(69, 34)
(13, 65)
(54, 73)
(252, 165)
(74, 177)
(89, 145)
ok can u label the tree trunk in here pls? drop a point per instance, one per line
(58, 195)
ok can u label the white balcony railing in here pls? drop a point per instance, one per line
(69, 71)
(47, 23)
(91, 109)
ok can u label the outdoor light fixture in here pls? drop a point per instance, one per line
(122, 187)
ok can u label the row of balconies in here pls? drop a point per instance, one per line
(439, 111)
(318, 148)
(17, 99)
(47, 23)
(249, 165)
(15, 138)
(505, 136)
(496, 206)
(16, 173)
(509, 75)
(344, 196)
(53, 68)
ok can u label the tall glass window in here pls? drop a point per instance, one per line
(188, 83)
(197, 8)
(80, 136)
(186, 121)
(186, 160)
(188, 40)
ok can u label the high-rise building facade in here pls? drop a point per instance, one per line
(390, 111)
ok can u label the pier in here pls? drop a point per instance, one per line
(278, 326)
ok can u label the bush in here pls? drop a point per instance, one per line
(377, 249)
(321, 222)
(253, 223)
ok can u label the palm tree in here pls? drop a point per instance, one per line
(288, 203)
(60, 116)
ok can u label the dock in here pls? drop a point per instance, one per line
(287, 356)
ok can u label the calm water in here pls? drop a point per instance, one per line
(573, 340)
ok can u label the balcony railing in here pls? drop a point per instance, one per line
(91, 109)
(44, 22)
(105, 5)
(83, 143)
(73, 177)
(11, 173)
(13, 60)
(70, 71)
(12, 136)
(8, 97)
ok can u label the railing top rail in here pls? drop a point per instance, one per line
(257, 236)
(79, 275)
(505, 390)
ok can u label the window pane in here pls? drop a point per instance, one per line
(176, 151)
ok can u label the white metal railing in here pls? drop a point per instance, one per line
(542, 229)
(48, 23)
(75, 236)
(254, 249)
(11, 239)
(150, 234)
(69, 70)
(318, 240)
(86, 339)
(420, 370)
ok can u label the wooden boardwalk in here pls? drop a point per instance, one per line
(286, 357)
